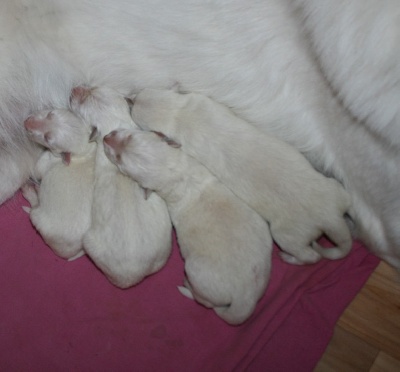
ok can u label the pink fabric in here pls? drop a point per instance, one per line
(63, 316)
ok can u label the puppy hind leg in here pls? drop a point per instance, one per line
(237, 312)
(30, 194)
(186, 289)
(78, 255)
(340, 235)
(293, 250)
(185, 292)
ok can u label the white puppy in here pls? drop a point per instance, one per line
(269, 175)
(226, 245)
(130, 237)
(61, 206)
(267, 74)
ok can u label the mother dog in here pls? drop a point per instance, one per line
(276, 63)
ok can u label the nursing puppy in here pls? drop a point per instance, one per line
(226, 245)
(267, 74)
(260, 169)
(129, 237)
(61, 205)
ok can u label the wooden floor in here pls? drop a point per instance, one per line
(367, 336)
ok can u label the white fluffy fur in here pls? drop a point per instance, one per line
(250, 55)
(226, 245)
(272, 177)
(61, 205)
(365, 34)
(130, 237)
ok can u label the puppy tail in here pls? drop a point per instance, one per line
(340, 235)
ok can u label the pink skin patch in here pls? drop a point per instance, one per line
(169, 141)
(66, 158)
(38, 130)
(80, 94)
(116, 144)
(111, 140)
(31, 124)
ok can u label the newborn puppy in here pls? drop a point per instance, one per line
(269, 175)
(226, 245)
(60, 131)
(129, 237)
(61, 205)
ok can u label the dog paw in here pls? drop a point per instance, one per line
(185, 292)
(309, 258)
(78, 255)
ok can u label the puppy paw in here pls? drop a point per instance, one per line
(186, 292)
(310, 257)
(30, 194)
(78, 255)
(27, 209)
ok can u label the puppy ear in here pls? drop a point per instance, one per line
(168, 140)
(66, 157)
(146, 193)
(127, 139)
(34, 181)
(173, 143)
(94, 134)
(130, 101)
(176, 87)
(47, 137)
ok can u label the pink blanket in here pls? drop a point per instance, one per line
(63, 316)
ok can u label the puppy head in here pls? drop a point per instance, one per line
(101, 107)
(61, 131)
(156, 109)
(144, 156)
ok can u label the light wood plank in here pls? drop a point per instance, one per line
(385, 363)
(374, 315)
(347, 352)
(367, 336)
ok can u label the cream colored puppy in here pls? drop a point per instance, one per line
(269, 175)
(61, 205)
(129, 237)
(226, 245)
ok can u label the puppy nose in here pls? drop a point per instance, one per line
(111, 140)
(30, 123)
(80, 94)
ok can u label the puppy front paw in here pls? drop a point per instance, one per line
(29, 192)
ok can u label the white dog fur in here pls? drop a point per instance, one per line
(61, 205)
(225, 244)
(272, 177)
(130, 237)
(366, 35)
(267, 73)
